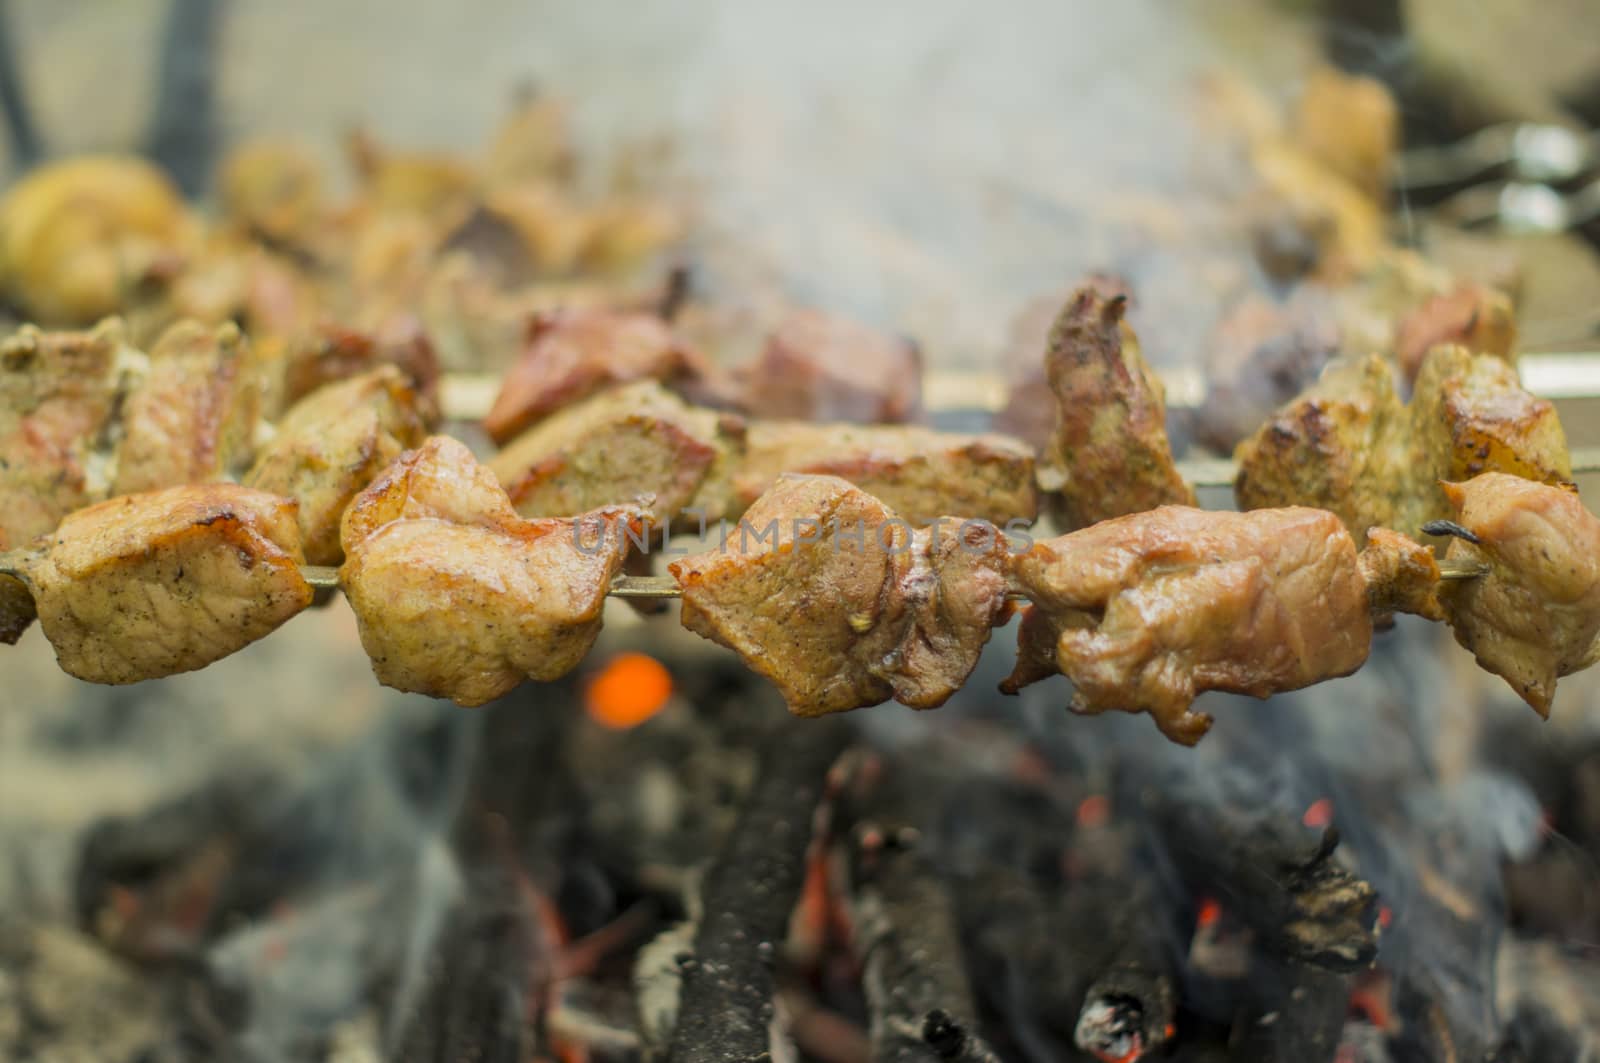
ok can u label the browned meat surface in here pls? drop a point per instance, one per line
(1030, 409)
(622, 445)
(1339, 446)
(458, 597)
(817, 367)
(1109, 453)
(1402, 575)
(918, 472)
(1351, 125)
(335, 352)
(1349, 445)
(1149, 610)
(331, 444)
(1536, 616)
(1469, 415)
(569, 355)
(840, 604)
(193, 418)
(59, 393)
(153, 584)
(1480, 319)
(273, 189)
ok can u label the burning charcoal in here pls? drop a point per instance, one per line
(1298, 1016)
(1279, 876)
(726, 1007)
(903, 923)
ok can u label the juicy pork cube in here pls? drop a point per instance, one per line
(153, 584)
(627, 443)
(1536, 615)
(569, 355)
(457, 596)
(1480, 319)
(1109, 453)
(817, 367)
(193, 417)
(826, 592)
(333, 443)
(1349, 445)
(59, 393)
(917, 472)
(1145, 612)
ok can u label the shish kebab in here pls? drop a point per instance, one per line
(1090, 358)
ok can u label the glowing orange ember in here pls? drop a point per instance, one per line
(1320, 814)
(1094, 811)
(1385, 916)
(630, 689)
(1210, 912)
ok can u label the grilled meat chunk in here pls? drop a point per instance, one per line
(59, 394)
(1469, 415)
(1402, 575)
(1109, 453)
(153, 584)
(1349, 445)
(817, 367)
(571, 354)
(1147, 611)
(1536, 616)
(336, 352)
(1480, 319)
(458, 597)
(193, 418)
(826, 592)
(333, 443)
(627, 443)
(918, 472)
(1340, 446)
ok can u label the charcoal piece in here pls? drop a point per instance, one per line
(1298, 1015)
(726, 1005)
(903, 922)
(1279, 876)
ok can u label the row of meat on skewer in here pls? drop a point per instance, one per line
(877, 572)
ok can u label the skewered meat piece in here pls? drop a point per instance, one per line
(818, 367)
(1349, 445)
(331, 444)
(570, 354)
(1470, 415)
(193, 417)
(1536, 616)
(59, 393)
(273, 189)
(1402, 575)
(1030, 409)
(1339, 446)
(918, 472)
(1351, 125)
(169, 581)
(826, 592)
(76, 236)
(626, 443)
(336, 352)
(1147, 611)
(456, 596)
(1480, 319)
(1109, 454)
